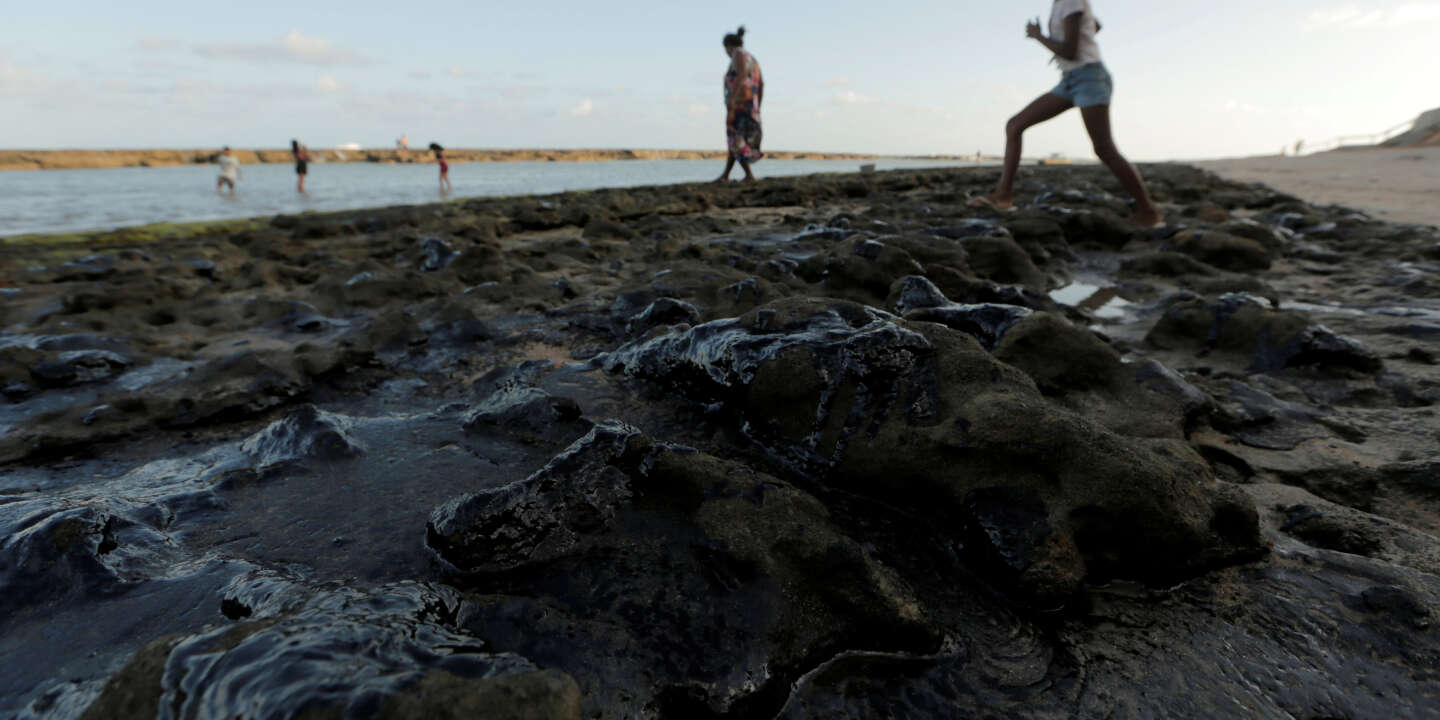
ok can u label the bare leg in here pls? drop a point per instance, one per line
(729, 165)
(1097, 123)
(749, 176)
(1043, 108)
(301, 186)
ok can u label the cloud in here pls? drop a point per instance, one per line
(850, 97)
(294, 47)
(17, 77)
(586, 108)
(1353, 16)
(419, 74)
(157, 43)
(697, 110)
(456, 71)
(1236, 106)
(839, 81)
(327, 83)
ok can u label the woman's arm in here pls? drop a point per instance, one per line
(1068, 50)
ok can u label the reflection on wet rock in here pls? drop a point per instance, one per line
(717, 584)
(308, 433)
(391, 653)
(813, 384)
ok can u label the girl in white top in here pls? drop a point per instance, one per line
(229, 171)
(1084, 83)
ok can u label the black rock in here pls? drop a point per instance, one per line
(435, 255)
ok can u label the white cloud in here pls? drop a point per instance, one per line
(586, 108)
(456, 71)
(419, 74)
(1352, 16)
(850, 97)
(295, 47)
(839, 81)
(327, 83)
(16, 77)
(1243, 108)
(157, 43)
(1419, 12)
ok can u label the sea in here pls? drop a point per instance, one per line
(58, 201)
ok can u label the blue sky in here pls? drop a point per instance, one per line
(1218, 78)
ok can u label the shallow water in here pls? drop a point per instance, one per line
(74, 200)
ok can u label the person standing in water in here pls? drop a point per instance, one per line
(445, 185)
(1084, 83)
(744, 92)
(229, 171)
(302, 163)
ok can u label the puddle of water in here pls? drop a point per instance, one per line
(1104, 302)
(1320, 308)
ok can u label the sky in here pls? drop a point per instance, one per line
(1193, 79)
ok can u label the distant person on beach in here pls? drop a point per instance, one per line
(1086, 84)
(445, 185)
(302, 162)
(229, 171)
(744, 92)
(402, 147)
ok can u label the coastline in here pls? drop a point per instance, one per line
(1395, 184)
(98, 159)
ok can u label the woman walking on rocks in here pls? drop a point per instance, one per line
(1084, 83)
(302, 163)
(744, 92)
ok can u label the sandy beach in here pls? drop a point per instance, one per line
(1398, 185)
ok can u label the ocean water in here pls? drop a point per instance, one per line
(73, 200)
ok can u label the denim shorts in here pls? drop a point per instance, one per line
(1086, 86)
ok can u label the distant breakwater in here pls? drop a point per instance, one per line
(90, 159)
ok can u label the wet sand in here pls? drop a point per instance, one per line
(1398, 185)
(835, 446)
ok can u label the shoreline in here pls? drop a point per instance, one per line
(1394, 184)
(106, 159)
(168, 227)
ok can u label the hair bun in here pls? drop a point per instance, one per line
(741, 32)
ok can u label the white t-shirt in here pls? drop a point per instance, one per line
(229, 167)
(1088, 50)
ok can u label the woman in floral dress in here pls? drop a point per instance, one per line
(744, 91)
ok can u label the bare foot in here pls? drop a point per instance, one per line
(1148, 219)
(994, 201)
(749, 179)
(720, 180)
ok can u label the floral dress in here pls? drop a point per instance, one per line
(744, 89)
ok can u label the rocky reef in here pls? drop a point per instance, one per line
(836, 446)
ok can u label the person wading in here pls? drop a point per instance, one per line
(1084, 83)
(445, 186)
(744, 92)
(302, 162)
(229, 171)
